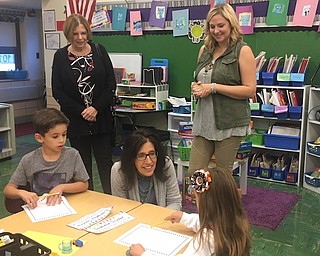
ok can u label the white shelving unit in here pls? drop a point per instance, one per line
(7, 130)
(156, 93)
(312, 161)
(265, 122)
(173, 126)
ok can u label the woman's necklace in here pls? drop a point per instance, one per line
(145, 193)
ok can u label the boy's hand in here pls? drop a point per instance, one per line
(53, 200)
(30, 198)
(175, 217)
(136, 250)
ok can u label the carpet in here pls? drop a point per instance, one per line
(266, 208)
(24, 129)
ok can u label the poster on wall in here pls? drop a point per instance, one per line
(100, 18)
(245, 17)
(119, 17)
(52, 41)
(216, 2)
(180, 22)
(277, 12)
(49, 20)
(135, 23)
(158, 14)
(304, 13)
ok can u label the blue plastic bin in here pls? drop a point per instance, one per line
(269, 78)
(1, 145)
(295, 112)
(281, 141)
(277, 174)
(265, 173)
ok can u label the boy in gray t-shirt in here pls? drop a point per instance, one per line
(52, 168)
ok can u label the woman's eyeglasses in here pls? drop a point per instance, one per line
(143, 156)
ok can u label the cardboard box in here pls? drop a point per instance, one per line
(143, 105)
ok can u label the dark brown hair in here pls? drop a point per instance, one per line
(48, 118)
(131, 148)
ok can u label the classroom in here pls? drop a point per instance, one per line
(154, 52)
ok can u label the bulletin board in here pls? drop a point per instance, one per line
(132, 62)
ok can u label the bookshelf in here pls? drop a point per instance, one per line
(312, 158)
(264, 122)
(7, 131)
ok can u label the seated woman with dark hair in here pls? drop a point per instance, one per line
(144, 172)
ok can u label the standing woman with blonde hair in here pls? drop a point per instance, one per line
(83, 83)
(225, 77)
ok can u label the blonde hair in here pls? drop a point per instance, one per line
(221, 211)
(227, 12)
(73, 21)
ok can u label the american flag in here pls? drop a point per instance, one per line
(84, 7)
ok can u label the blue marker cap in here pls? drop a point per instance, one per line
(78, 243)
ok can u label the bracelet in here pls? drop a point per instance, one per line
(213, 88)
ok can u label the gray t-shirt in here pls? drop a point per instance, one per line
(43, 175)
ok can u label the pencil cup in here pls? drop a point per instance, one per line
(66, 246)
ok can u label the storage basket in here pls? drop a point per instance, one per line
(184, 152)
(1, 145)
(313, 181)
(277, 174)
(265, 173)
(22, 246)
(257, 137)
(312, 148)
(291, 177)
(281, 141)
(183, 109)
(253, 171)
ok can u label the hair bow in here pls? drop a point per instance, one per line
(201, 180)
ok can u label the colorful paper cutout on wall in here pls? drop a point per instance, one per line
(119, 16)
(135, 23)
(100, 18)
(304, 13)
(277, 12)
(245, 17)
(196, 31)
(180, 21)
(216, 2)
(158, 14)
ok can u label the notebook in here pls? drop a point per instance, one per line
(46, 212)
(156, 240)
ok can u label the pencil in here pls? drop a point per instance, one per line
(155, 225)
(47, 195)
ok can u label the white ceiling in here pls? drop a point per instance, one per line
(21, 4)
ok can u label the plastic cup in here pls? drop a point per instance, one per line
(66, 246)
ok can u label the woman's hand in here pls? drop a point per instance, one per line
(89, 114)
(136, 249)
(175, 217)
(200, 90)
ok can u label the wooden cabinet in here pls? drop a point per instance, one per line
(7, 131)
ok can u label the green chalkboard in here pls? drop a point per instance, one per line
(182, 53)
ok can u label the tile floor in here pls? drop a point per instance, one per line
(298, 235)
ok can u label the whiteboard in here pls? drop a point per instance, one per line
(132, 62)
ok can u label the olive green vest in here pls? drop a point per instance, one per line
(228, 112)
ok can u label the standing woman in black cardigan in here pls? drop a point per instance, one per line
(83, 83)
